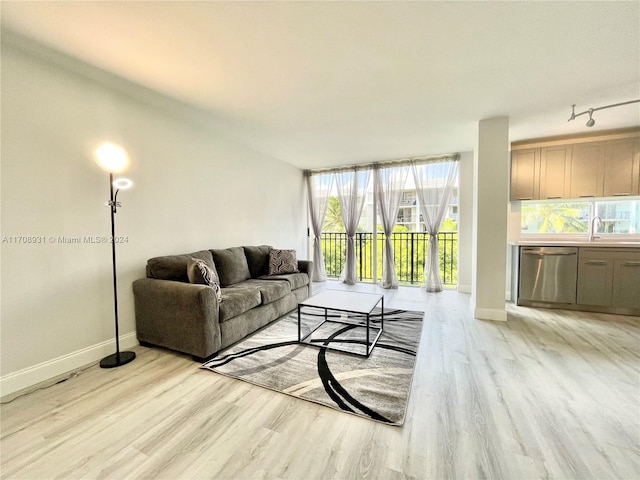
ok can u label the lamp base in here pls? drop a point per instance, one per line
(117, 359)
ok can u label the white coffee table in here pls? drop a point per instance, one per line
(348, 302)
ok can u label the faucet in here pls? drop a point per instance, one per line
(592, 231)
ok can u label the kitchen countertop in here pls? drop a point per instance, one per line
(576, 243)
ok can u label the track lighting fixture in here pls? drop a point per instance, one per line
(591, 122)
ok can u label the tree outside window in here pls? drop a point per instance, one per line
(557, 218)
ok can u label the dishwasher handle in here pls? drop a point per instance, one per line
(547, 253)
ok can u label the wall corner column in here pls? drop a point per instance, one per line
(490, 194)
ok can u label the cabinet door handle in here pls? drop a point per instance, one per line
(525, 198)
(596, 262)
(553, 198)
(621, 194)
(586, 196)
(631, 264)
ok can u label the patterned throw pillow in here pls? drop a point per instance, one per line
(282, 261)
(200, 273)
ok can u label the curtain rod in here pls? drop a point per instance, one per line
(453, 157)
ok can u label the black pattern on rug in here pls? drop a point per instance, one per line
(375, 387)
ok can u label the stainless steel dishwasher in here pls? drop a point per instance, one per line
(548, 275)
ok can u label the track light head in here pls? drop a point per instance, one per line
(591, 122)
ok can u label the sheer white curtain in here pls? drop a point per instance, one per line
(389, 184)
(318, 192)
(434, 185)
(352, 190)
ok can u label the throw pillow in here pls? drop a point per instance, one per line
(231, 265)
(282, 261)
(258, 260)
(202, 274)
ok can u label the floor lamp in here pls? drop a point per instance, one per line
(113, 159)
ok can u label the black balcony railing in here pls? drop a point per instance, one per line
(409, 248)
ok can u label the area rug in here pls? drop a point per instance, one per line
(376, 387)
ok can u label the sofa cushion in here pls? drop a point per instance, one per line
(271, 291)
(174, 267)
(200, 273)
(296, 280)
(231, 265)
(258, 260)
(282, 261)
(237, 299)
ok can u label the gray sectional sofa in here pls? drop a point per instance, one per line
(187, 317)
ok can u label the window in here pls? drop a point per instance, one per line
(567, 218)
(409, 237)
(621, 217)
(554, 218)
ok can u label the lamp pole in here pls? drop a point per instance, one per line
(119, 358)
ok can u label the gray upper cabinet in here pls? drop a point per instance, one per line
(587, 170)
(524, 174)
(602, 165)
(554, 165)
(622, 167)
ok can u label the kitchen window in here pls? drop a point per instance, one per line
(619, 217)
(566, 218)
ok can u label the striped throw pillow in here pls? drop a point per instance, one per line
(200, 273)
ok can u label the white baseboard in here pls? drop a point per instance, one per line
(464, 288)
(58, 367)
(497, 314)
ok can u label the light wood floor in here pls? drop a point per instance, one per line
(548, 394)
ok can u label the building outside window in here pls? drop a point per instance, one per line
(619, 217)
(409, 215)
(410, 239)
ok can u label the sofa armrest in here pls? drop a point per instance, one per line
(305, 266)
(180, 316)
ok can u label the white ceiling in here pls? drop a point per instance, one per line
(320, 84)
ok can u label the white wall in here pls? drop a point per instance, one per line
(193, 190)
(465, 226)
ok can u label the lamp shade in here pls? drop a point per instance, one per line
(122, 183)
(111, 158)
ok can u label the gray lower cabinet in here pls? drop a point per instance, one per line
(595, 277)
(609, 277)
(626, 286)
